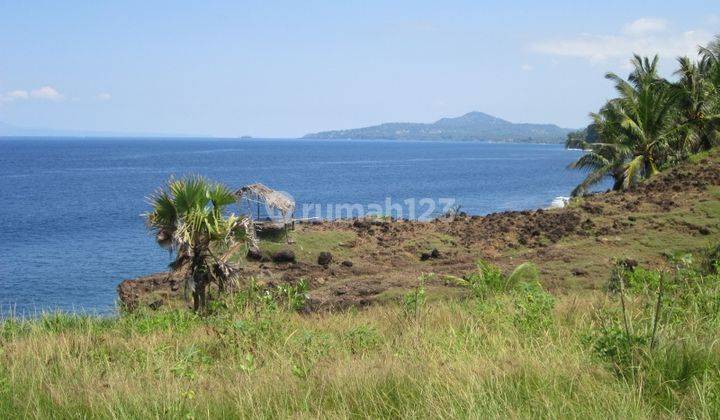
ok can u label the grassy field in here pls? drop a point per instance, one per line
(510, 349)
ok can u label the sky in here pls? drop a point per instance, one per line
(283, 69)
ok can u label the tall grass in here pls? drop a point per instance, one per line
(517, 352)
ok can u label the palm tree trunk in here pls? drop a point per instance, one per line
(200, 293)
(200, 278)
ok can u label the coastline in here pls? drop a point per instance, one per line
(374, 259)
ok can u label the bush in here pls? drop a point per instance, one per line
(665, 335)
(614, 344)
(533, 307)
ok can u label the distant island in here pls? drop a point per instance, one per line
(471, 126)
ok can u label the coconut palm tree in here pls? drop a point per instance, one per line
(698, 106)
(634, 129)
(710, 61)
(188, 218)
(603, 156)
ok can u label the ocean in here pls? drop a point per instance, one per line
(71, 225)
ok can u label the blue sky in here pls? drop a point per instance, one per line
(282, 69)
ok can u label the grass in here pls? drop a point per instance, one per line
(307, 245)
(429, 241)
(513, 350)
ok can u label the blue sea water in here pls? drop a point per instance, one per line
(70, 218)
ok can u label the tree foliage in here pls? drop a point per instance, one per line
(189, 218)
(652, 123)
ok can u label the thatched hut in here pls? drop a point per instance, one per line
(279, 207)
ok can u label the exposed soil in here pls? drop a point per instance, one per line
(574, 247)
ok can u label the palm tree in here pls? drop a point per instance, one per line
(634, 129)
(699, 113)
(710, 62)
(603, 157)
(188, 218)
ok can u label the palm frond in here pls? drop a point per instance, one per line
(633, 171)
(590, 160)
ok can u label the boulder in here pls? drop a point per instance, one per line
(254, 254)
(324, 259)
(435, 253)
(284, 255)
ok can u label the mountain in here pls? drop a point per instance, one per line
(471, 126)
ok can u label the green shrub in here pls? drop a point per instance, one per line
(615, 345)
(295, 295)
(663, 332)
(414, 300)
(361, 338)
(526, 272)
(533, 307)
(146, 322)
(489, 279)
(711, 261)
(642, 280)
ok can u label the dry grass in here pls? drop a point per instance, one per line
(466, 358)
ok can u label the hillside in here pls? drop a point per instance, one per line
(471, 126)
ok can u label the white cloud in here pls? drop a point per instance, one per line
(17, 94)
(645, 25)
(104, 96)
(47, 93)
(602, 47)
(526, 67)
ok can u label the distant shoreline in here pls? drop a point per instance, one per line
(255, 139)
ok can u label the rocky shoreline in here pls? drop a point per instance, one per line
(362, 261)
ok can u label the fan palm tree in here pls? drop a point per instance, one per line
(634, 129)
(188, 218)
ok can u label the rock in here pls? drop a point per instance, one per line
(592, 209)
(587, 224)
(284, 255)
(578, 272)
(134, 292)
(434, 253)
(254, 254)
(156, 304)
(324, 259)
(628, 263)
(704, 230)
(361, 224)
(347, 263)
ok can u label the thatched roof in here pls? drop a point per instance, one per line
(272, 198)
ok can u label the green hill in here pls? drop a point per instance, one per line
(471, 126)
